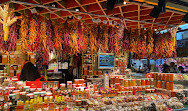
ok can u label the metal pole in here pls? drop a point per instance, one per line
(61, 9)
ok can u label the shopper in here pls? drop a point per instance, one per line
(181, 69)
(173, 68)
(166, 68)
(29, 71)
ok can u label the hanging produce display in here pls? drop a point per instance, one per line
(7, 19)
(104, 39)
(149, 42)
(85, 37)
(58, 43)
(92, 39)
(143, 44)
(43, 37)
(50, 34)
(32, 33)
(73, 40)
(24, 29)
(66, 46)
(124, 42)
(80, 37)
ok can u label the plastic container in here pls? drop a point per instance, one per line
(143, 82)
(170, 85)
(159, 84)
(116, 79)
(121, 81)
(133, 83)
(126, 83)
(138, 82)
(4, 59)
(170, 77)
(112, 80)
(12, 59)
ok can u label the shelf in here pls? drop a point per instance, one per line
(2, 64)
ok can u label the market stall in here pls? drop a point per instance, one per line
(82, 52)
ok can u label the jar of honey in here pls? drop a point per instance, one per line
(146, 81)
(112, 80)
(170, 85)
(171, 77)
(94, 72)
(4, 59)
(166, 77)
(133, 83)
(162, 76)
(155, 76)
(129, 82)
(126, 83)
(12, 59)
(158, 76)
(116, 79)
(151, 82)
(90, 72)
(138, 82)
(143, 82)
(11, 73)
(117, 85)
(163, 84)
(159, 84)
(121, 81)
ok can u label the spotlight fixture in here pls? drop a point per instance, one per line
(54, 4)
(77, 9)
(70, 17)
(185, 18)
(79, 17)
(155, 12)
(110, 22)
(104, 21)
(33, 10)
(124, 3)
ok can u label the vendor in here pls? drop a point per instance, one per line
(29, 71)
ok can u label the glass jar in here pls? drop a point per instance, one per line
(138, 82)
(151, 82)
(129, 82)
(143, 82)
(4, 59)
(116, 79)
(69, 84)
(117, 85)
(133, 83)
(85, 71)
(121, 81)
(147, 81)
(170, 85)
(159, 84)
(12, 59)
(62, 86)
(112, 80)
(171, 77)
(126, 83)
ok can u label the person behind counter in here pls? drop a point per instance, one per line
(29, 71)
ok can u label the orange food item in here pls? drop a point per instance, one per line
(126, 83)
(112, 80)
(159, 84)
(143, 82)
(133, 83)
(121, 81)
(116, 79)
(171, 77)
(170, 85)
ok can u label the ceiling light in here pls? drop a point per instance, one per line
(54, 4)
(105, 22)
(79, 17)
(110, 22)
(93, 20)
(185, 18)
(77, 10)
(115, 22)
(155, 12)
(124, 3)
(98, 20)
(155, 29)
(33, 10)
(70, 17)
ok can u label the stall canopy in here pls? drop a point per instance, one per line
(95, 11)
